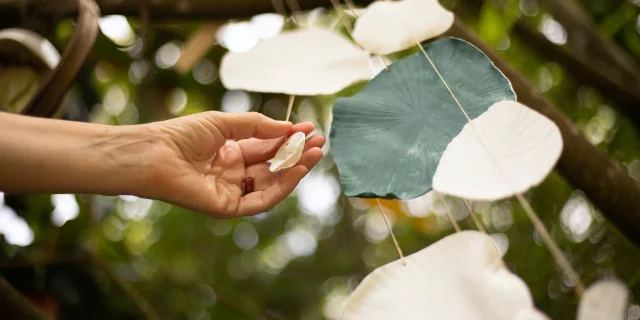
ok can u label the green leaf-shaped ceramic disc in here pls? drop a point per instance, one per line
(387, 139)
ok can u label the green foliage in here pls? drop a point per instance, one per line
(494, 24)
(189, 266)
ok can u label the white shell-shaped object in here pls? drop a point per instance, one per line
(289, 153)
(302, 62)
(391, 26)
(604, 300)
(459, 277)
(16, 42)
(524, 147)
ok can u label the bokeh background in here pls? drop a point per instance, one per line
(82, 256)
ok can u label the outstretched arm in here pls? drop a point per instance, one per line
(186, 161)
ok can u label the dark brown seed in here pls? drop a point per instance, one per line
(247, 184)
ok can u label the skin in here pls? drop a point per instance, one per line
(196, 162)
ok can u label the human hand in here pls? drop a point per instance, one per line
(194, 166)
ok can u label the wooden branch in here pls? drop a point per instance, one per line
(14, 305)
(166, 10)
(624, 92)
(584, 38)
(144, 307)
(50, 96)
(603, 180)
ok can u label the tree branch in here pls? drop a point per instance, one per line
(602, 179)
(621, 88)
(584, 37)
(161, 10)
(14, 305)
(141, 303)
(50, 95)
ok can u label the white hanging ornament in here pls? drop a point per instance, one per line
(604, 300)
(19, 43)
(30, 58)
(391, 26)
(302, 62)
(289, 153)
(508, 150)
(459, 277)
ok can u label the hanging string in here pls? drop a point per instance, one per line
(352, 7)
(336, 6)
(295, 9)
(474, 217)
(278, 6)
(393, 237)
(290, 106)
(451, 218)
(542, 230)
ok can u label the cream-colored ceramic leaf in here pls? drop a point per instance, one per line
(604, 300)
(391, 26)
(289, 153)
(302, 62)
(20, 42)
(18, 84)
(523, 145)
(458, 277)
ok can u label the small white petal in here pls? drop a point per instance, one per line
(388, 27)
(302, 62)
(289, 153)
(459, 277)
(524, 147)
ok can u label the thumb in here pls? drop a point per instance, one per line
(250, 125)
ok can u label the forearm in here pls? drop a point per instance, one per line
(55, 156)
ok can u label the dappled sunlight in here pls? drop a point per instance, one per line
(132, 207)
(502, 243)
(373, 225)
(553, 30)
(205, 72)
(168, 54)
(301, 242)
(318, 194)
(65, 208)
(117, 29)
(177, 100)
(599, 128)
(236, 101)
(14, 228)
(138, 71)
(576, 217)
(115, 99)
(245, 235)
(499, 216)
(335, 301)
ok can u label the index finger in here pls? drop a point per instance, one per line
(249, 125)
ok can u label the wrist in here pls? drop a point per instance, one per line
(126, 152)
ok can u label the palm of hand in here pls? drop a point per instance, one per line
(202, 171)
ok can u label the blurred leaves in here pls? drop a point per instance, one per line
(302, 259)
